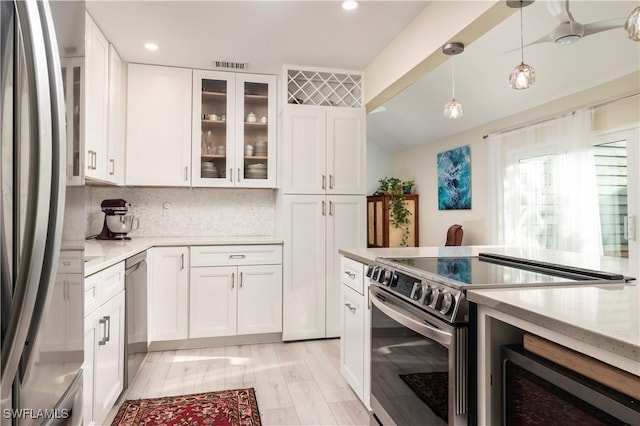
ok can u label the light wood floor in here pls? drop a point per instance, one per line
(296, 383)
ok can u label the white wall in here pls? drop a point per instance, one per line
(192, 212)
(379, 165)
(420, 162)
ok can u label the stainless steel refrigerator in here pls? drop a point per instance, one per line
(38, 385)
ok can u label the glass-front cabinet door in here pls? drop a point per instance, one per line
(213, 129)
(72, 69)
(234, 135)
(256, 130)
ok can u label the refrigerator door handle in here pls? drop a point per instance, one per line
(34, 277)
(57, 187)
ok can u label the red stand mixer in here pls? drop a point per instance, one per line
(117, 223)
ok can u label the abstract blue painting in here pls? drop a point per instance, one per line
(454, 179)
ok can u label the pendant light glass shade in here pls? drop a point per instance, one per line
(453, 109)
(632, 26)
(523, 75)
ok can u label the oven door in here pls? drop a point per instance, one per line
(418, 365)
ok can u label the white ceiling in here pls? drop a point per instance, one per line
(269, 34)
(415, 116)
(265, 34)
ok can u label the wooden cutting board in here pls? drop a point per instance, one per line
(620, 380)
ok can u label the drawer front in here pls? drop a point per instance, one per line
(112, 281)
(236, 255)
(352, 274)
(70, 263)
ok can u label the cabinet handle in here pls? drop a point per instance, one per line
(351, 275)
(238, 174)
(103, 322)
(240, 279)
(237, 256)
(330, 181)
(350, 307)
(90, 165)
(186, 172)
(107, 327)
(95, 160)
(230, 174)
(182, 261)
(330, 208)
(233, 279)
(323, 209)
(324, 182)
(113, 167)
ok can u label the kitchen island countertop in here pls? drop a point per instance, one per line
(100, 254)
(606, 317)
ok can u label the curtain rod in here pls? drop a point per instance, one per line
(560, 115)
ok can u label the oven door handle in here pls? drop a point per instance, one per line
(411, 321)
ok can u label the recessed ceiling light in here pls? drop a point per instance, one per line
(349, 4)
(151, 46)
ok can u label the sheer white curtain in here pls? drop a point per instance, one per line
(545, 186)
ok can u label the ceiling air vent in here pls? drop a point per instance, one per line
(228, 65)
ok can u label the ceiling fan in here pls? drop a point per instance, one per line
(569, 30)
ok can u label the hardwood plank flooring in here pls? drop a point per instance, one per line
(296, 383)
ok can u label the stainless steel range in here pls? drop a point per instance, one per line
(422, 327)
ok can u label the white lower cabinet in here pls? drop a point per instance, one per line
(169, 293)
(235, 300)
(316, 227)
(355, 342)
(228, 291)
(229, 301)
(104, 336)
(212, 302)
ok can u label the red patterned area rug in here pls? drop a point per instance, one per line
(237, 407)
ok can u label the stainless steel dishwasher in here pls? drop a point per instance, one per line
(136, 315)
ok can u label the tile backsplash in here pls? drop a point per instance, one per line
(190, 212)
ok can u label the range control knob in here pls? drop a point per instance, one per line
(448, 302)
(376, 273)
(429, 294)
(436, 298)
(394, 280)
(426, 290)
(381, 274)
(370, 270)
(386, 279)
(416, 292)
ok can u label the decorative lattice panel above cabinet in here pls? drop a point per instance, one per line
(324, 88)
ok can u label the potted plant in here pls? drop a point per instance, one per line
(397, 207)
(407, 185)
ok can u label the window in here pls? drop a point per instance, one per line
(611, 169)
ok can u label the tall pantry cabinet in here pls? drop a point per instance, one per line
(323, 203)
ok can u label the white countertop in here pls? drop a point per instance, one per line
(607, 316)
(368, 255)
(100, 254)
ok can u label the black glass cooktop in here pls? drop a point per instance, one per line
(482, 271)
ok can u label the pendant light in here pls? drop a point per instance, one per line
(523, 75)
(632, 26)
(453, 108)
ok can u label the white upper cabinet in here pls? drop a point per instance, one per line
(117, 118)
(234, 130)
(73, 81)
(158, 126)
(324, 150)
(346, 151)
(96, 96)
